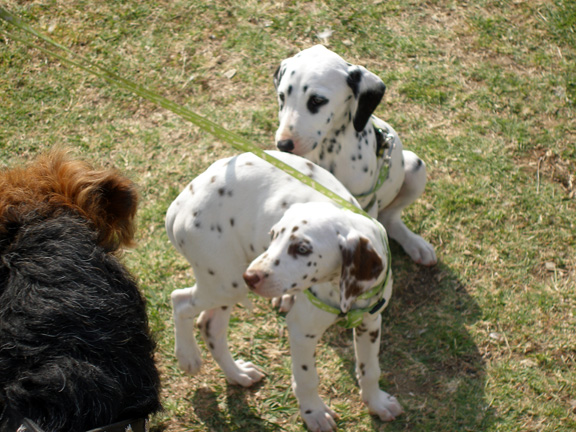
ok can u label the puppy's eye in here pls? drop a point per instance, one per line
(303, 249)
(315, 102)
(281, 97)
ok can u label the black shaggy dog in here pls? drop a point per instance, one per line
(75, 347)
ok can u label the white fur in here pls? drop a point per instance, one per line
(339, 136)
(222, 221)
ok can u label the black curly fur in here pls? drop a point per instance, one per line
(75, 347)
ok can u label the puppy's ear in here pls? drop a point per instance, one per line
(279, 74)
(368, 91)
(361, 268)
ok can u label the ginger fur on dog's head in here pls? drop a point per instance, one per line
(55, 184)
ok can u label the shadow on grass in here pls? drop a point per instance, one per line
(238, 414)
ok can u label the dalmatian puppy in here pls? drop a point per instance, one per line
(246, 225)
(326, 107)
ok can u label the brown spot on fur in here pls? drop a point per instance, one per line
(359, 263)
(360, 330)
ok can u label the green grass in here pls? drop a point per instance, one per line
(483, 91)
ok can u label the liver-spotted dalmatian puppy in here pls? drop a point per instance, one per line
(326, 107)
(246, 224)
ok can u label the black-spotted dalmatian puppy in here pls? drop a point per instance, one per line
(326, 107)
(243, 224)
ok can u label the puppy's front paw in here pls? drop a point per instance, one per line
(189, 358)
(320, 418)
(245, 374)
(421, 251)
(384, 406)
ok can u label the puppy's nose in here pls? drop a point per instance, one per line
(252, 278)
(286, 145)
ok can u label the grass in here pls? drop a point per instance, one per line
(483, 91)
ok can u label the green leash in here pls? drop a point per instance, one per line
(233, 139)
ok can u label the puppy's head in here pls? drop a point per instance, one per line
(55, 184)
(316, 243)
(319, 92)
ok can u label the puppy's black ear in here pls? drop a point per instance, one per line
(279, 74)
(368, 91)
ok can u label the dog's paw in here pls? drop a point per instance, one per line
(244, 374)
(284, 303)
(421, 251)
(319, 418)
(189, 358)
(384, 406)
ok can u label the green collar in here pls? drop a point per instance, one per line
(384, 141)
(353, 318)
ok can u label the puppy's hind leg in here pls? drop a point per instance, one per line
(213, 325)
(185, 310)
(419, 249)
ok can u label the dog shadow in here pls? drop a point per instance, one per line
(238, 414)
(429, 359)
